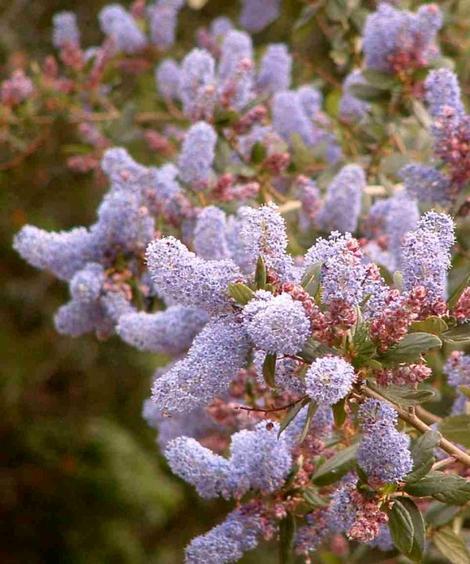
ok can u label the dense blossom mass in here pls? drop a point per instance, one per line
(300, 289)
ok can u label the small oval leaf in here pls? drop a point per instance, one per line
(241, 293)
(269, 370)
(336, 467)
(401, 527)
(410, 348)
(451, 546)
(457, 429)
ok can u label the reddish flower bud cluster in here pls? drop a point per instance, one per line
(72, 56)
(326, 327)
(16, 89)
(83, 163)
(119, 282)
(318, 320)
(368, 520)
(158, 142)
(462, 309)
(226, 191)
(399, 312)
(340, 314)
(277, 163)
(406, 375)
(452, 134)
(253, 116)
(402, 62)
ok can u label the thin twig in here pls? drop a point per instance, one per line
(30, 149)
(427, 416)
(418, 424)
(292, 205)
(271, 410)
(279, 197)
(375, 190)
(443, 463)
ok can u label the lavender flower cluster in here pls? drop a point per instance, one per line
(443, 181)
(383, 452)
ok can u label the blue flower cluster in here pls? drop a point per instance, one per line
(395, 39)
(420, 267)
(329, 379)
(276, 324)
(457, 369)
(343, 273)
(228, 541)
(342, 204)
(122, 29)
(383, 452)
(259, 460)
(65, 31)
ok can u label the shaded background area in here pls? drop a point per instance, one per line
(80, 476)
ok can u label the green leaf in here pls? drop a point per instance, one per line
(336, 467)
(311, 279)
(405, 395)
(260, 273)
(286, 538)
(258, 153)
(363, 348)
(456, 428)
(363, 478)
(432, 324)
(421, 114)
(240, 169)
(335, 11)
(401, 527)
(439, 514)
(306, 15)
(291, 415)
(312, 497)
(398, 280)
(75, 149)
(339, 413)
(419, 530)
(410, 348)
(225, 118)
(269, 370)
(454, 298)
(312, 408)
(374, 364)
(465, 391)
(368, 92)
(459, 335)
(451, 546)
(381, 80)
(241, 293)
(313, 349)
(448, 488)
(422, 451)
